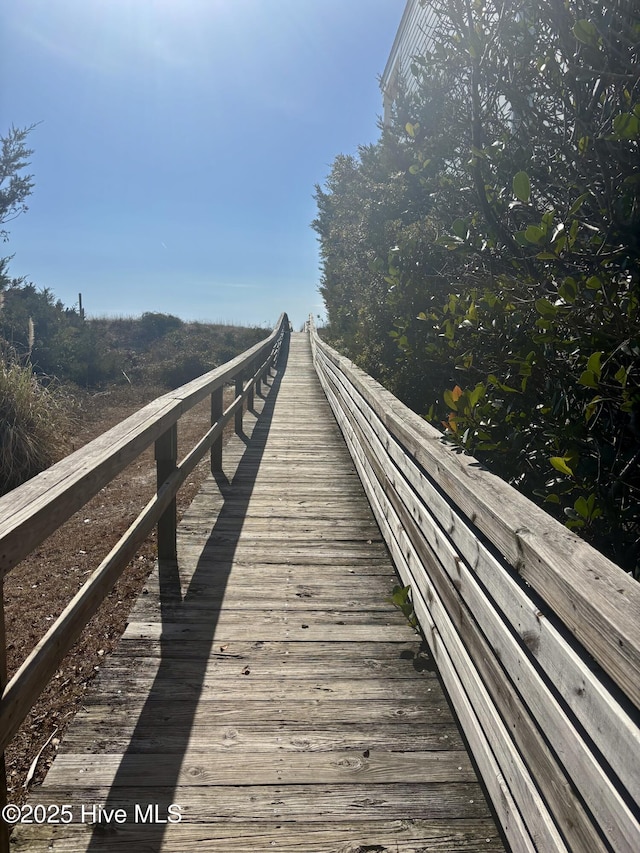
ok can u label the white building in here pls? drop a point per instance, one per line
(413, 38)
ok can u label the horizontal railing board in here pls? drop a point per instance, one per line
(483, 739)
(553, 675)
(611, 728)
(597, 601)
(488, 642)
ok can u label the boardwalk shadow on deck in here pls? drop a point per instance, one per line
(177, 714)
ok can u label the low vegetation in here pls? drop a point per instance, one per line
(34, 424)
(59, 357)
(156, 348)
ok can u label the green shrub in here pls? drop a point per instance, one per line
(34, 423)
(154, 325)
(182, 369)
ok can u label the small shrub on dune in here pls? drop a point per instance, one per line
(34, 425)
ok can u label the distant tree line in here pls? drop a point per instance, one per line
(481, 259)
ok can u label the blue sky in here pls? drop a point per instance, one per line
(178, 144)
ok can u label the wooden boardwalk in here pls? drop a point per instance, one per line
(271, 691)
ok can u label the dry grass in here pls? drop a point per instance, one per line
(34, 423)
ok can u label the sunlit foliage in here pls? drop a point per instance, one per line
(492, 235)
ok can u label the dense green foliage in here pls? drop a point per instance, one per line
(482, 258)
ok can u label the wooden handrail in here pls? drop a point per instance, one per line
(34, 510)
(536, 634)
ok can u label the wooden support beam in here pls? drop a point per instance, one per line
(216, 414)
(240, 410)
(166, 451)
(251, 371)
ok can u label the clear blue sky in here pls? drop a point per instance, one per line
(179, 142)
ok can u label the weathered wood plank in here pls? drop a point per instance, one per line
(313, 653)
(242, 629)
(321, 804)
(210, 576)
(244, 689)
(228, 618)
(222, 668)
(297, 768)
(206, 602)
(398, 836)
(262, 736)
(432, 707)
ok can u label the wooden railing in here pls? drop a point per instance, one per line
(536, 635)
(31, 512)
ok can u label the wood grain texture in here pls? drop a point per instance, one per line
(508, 781)
(596, 600)
(32, 513)
(266, 681)
(503, 663)
(375, 836)
(469, 563)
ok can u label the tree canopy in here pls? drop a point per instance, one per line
(481, 259)
(15, 186)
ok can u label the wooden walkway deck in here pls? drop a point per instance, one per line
(271, 691)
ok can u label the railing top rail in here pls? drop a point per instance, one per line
(46, 501)
(594, 598)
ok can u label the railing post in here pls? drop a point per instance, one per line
(217, 398)
(239, 390)
(259, 382)
(166, 459)
(4, 828)
(252, 367)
